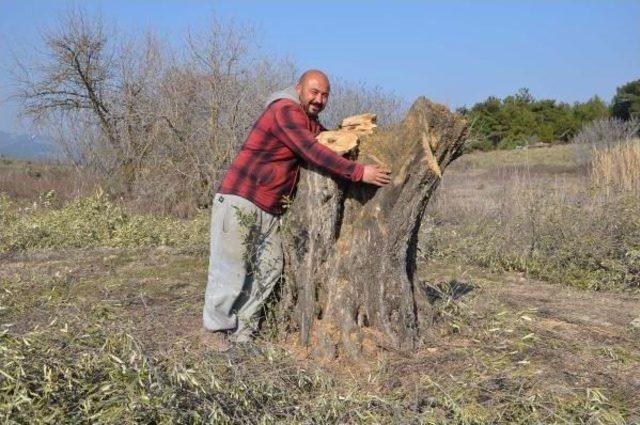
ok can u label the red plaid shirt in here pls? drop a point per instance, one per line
(265, 171)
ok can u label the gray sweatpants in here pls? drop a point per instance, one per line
(245, 263)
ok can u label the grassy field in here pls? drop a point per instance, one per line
(542, 212)
(100, 313)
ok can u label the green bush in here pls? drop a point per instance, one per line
(482, 145)
(511, 121)
(91, 222)
(511, 143)
(626, 102)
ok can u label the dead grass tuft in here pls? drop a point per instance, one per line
(617, 168)
(517, 211)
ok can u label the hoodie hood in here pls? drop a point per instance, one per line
(288, 93)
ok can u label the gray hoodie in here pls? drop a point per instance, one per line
(288, 93)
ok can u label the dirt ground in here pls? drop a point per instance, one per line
(555, 338)
(497, 342)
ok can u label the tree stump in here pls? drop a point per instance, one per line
(350, 248)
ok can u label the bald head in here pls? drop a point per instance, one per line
(313, 74)
(313, 91)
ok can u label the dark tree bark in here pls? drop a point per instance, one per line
(350, 248)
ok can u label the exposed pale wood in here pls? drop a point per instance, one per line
(429, 159)
(347, 137)
(363, 123)
(340, 141)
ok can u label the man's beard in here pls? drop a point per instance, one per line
(313, 109)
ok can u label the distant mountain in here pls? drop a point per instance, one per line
(23, 146)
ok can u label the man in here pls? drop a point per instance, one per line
(246, 258)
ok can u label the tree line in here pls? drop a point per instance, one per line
(520, 119)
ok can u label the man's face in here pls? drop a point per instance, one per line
(313, 94)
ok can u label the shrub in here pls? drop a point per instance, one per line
(560, 229)
(91, 222)
(607, 132)
(626, 102)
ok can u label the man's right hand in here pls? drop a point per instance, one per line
(379, 175)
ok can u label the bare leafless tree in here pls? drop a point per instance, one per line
(349, 99)
(74, 84)
(160, 124)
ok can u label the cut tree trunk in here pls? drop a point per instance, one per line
(350, 248)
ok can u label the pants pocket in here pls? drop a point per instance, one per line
(228, 213)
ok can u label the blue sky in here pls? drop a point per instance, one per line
(455, 52)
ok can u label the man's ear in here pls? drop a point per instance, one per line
(299, 89)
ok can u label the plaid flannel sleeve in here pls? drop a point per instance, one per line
(290, 127)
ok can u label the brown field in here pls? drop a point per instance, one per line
(25, 181)
(111, 335)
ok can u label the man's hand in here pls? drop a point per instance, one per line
(379, 175)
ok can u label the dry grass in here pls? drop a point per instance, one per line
(521, 211)
(25, 181)
(90, 334)
(617, 168)
(111, 336)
